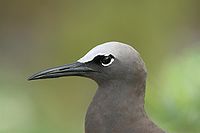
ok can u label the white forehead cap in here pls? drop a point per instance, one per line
(115, 48)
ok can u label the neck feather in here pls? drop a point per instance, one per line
(115, 105)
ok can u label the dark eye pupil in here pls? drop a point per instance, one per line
(106, 60)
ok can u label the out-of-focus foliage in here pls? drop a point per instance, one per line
(37, 34)
(178, 93)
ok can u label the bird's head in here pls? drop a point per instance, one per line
(111, 61)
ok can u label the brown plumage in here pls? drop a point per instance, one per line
(118, 105)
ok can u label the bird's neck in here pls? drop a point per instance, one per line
(125, 98)
(117, 105)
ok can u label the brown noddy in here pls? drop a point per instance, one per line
(118, 105)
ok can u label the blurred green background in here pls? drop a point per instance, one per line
(38, 34)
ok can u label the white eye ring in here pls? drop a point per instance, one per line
(107, 60)
(111, 61)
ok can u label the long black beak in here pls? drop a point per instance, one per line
(75, 69)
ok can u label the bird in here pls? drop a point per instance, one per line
(118, 104)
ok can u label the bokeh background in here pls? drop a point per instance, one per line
(38, 34)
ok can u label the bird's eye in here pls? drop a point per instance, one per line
(107, 60)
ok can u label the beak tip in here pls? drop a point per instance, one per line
(33, 77)
(30, 78)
